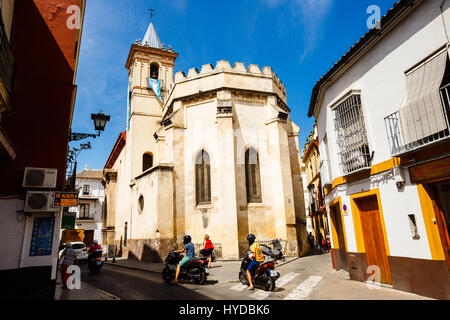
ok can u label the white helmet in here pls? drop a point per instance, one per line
(95, 242)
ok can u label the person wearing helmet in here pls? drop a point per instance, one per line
(190, 253)
(256, 256)
(92, 249)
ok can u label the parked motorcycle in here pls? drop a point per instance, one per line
(276, 252)
(95, 263)
(265, 275)
(194, 269)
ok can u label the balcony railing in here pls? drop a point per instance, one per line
(394, 129)
(6, 64)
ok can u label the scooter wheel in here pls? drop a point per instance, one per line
(167, 276)
(270, 284)
(243, 278)
(202, 279)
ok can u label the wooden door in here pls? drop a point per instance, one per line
(337, 220)
(374, 241)
(441, 203)
(88, 237)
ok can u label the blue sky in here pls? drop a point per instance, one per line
(300, 39)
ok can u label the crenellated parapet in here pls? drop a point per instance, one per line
(224, 66)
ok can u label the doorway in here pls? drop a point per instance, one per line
(336, 217)
(440, 193)
(374, 241)
(88, 237)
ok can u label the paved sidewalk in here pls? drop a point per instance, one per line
(87, 292)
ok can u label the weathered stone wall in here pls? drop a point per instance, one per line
(148, 250)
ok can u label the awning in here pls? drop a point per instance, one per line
(6, 146)
(422, 113)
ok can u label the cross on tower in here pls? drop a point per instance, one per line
(151, 13)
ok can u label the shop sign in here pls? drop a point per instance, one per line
(66, 199)
(430, 171)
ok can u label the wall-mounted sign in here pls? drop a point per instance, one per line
(66, 199)
(68, 220)
(345, 209)
(42, 237)
(430, 171)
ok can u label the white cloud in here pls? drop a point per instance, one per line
(309, 15)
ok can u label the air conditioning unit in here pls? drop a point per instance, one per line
(40, 201)
(40, 178)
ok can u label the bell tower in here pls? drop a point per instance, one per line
(148, 61)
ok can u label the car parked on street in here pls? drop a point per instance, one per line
(80, 249)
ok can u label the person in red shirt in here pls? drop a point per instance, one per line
(91, 251)
(208, 248)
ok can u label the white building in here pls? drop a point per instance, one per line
(383, 121)
(90, 204)
(218, 154)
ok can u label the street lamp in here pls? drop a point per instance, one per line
(100, 121)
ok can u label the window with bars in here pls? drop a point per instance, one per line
(84, 211)
(351, 135)
(86, 189)
(203, 178)
(252, 176)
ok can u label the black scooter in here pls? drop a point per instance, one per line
(194, 269)
(95, 262)
(265, 275)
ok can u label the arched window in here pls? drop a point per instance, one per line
(203, 178)
(147, 161)
(252, 176)
(154, 70)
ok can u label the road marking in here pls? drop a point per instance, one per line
(239, 287)
(285, 279)
(261, 295)
(304, 289)
(107, 295)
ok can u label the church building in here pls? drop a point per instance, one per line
(211, 152)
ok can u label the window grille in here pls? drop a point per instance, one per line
(203, 178)
(86, 189)
(354, 153)
(252, 176)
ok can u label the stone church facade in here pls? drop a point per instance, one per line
(217, 154)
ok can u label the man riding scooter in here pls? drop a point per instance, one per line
(256, 256)
(92, 250)
(190, 253)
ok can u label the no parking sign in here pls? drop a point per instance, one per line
(345, 209)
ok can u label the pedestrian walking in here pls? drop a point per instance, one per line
(69, 257)
(328, 242)
(321, 243)
(310, 238)
(208, 249)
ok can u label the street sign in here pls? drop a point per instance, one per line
(66, 199)
(68, 220)
(345, 209)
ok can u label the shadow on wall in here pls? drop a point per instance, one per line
(150, 255)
